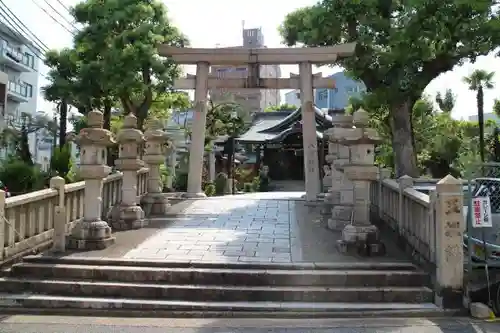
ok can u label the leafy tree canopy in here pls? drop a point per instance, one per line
(119, 41)
(401, 47)
(447, 102)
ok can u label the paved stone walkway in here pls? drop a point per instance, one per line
(242, 229)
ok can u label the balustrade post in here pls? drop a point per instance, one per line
(2, 223)
(404, 183)
(59, 236)
(384, 173)
(450, 226)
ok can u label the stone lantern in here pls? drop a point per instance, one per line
(157, 145)
(128, 214)
(340, 198)
(361, 235)
(92, 232)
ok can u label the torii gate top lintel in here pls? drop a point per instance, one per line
(264, 56)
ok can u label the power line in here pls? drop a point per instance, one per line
(7, 18)
(53, 18)
(16, 33)
(64, 6)
(62, 16)
(43, 46)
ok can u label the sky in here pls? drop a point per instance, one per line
(220, 23)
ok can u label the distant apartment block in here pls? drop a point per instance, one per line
(293, 98)
(333, 99)
(338, 98)
(487, 116)
(19, 69)
(251, 100)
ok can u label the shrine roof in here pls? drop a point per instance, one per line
(275, 126)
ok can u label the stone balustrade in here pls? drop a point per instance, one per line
(27, 221)
(429, 227)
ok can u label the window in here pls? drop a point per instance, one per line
(29, 89)
(29, 60)
(323, 95)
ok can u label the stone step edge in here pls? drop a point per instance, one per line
(197, 264)
(218, 287)
(288, 314)
(256, 271)
(55, 301)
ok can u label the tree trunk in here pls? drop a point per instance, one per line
(480, 120)
(110, 157)
(107, 115)
(405, 158)
(141, 118)
(63, 119)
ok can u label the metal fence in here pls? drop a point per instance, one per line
(482, 209)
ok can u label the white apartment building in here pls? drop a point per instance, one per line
(20, 68)
(251, 100)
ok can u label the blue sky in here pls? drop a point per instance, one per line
(211, 23)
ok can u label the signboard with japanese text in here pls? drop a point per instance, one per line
(481, 212)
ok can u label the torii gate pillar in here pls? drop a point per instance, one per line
(311, 164)
(197, 145)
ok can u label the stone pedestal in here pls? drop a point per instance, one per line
(155, 202)
(92, 233)
(340, 199)
(361, 236)
(128, 214)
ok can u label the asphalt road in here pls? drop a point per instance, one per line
(46, 324)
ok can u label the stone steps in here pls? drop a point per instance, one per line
(214, 293)
(224, 276)
(50, 284)
(44, 304)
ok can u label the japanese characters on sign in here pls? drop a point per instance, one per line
(481, 212)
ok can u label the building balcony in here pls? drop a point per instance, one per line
(16, 58)
(17, 92)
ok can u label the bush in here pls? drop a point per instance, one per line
(256, 184)
(20, 177)
(220, 183)
(60, 162)
(209, 190)
(180, 182)
(163, 176)
(248, 187)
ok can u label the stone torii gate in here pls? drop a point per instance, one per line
(306, 81)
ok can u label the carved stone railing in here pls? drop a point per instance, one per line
(428, 227)
(27, 220)
(410, 214)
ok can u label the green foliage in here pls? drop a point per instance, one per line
(256, 184)
(164, 175)
(401, 47)
(180, 181)
(118, 43)
(220, 122)
(447, 102)
(248, 187)
(20, 177)
(282, 107)
(209, 190)
(61, 163)
(221, 183)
